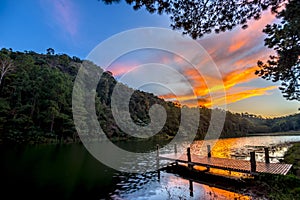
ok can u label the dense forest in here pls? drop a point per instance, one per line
(36, 104)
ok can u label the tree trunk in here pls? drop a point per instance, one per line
(52, 123)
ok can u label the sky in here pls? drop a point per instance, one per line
(76, 27)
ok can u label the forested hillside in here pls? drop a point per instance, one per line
(36, 103)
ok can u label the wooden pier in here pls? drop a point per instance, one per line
(244, 166)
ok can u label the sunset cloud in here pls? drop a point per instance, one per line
(120, 69)
(239, 48)
(239, 76)
(235, 55)
(244, 94)
(236, 46)
(232, 79)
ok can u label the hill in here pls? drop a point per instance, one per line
(36, 104)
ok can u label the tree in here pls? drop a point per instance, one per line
(199, 17)
(50, 51)
(284, 38)
(6, 66)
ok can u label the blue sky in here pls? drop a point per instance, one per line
(76, 27)
(72, 27)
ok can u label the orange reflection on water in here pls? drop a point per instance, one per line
(220, 148)
(180, 188)
(225, 173)
(217, 193)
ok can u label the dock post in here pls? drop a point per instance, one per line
(191, 188)
(208, 151)
(157, 162)
(175, 150)
(252, 161)
(208, 155)
(157, 157)
(189, 157)
(267, 157)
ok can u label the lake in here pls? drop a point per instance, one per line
(69, 171)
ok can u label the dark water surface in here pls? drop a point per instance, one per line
(70, 172)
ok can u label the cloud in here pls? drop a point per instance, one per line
(231, 81)
(235, 54)
(239, 76)
(238, 47)
(64, 13)
(238, 96)
(119, 69)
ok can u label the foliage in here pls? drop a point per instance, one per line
(279, 186)
(36, 99)
(292, 156)
(6, 66)
(284, 38)
(199, 17)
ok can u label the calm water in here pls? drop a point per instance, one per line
(70, 172)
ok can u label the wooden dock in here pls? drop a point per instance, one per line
(244, 166)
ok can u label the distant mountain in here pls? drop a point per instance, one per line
(36, 104)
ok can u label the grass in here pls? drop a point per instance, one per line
(292, 156)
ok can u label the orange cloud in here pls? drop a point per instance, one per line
(239, 48)
(234, 97)
(235, 54)
(207, 101)
(244, 38)
(231, 79)
(239, 76)
(121, 69)
(204, 94)
(197, 81)
(236, 46)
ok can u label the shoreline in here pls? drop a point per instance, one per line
(289, 133)
(78, 140)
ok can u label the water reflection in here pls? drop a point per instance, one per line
(170, 187)
(70, 172)
(240, 148)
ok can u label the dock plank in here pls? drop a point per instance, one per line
(230, 164)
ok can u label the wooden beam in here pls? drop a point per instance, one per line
(189, 159)
(267, 157)
(208, 151)
(252, 162)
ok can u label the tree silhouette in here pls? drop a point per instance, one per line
(199, 17)
(284, 38)
(50, 51)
